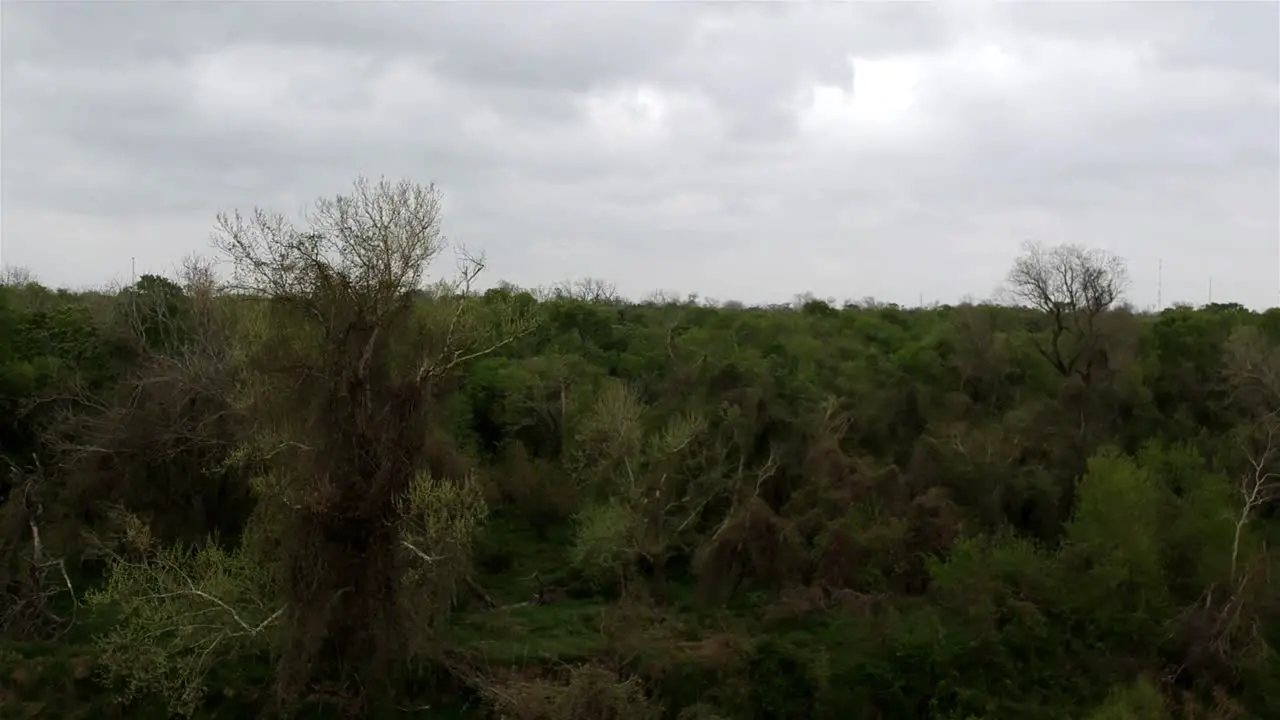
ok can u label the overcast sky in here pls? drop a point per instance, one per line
(747, 152)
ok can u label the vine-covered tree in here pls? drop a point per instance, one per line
(348, 353)
(354, 352)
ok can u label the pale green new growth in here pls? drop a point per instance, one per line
(182, 613)
(1140, 701)
(646, 502)
(605, 533)
(440, 519)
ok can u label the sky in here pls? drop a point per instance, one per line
(749, 152)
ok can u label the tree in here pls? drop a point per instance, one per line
(1253, 375)
(588, 289)
(1074, 286)
(16, 276)
(354, 351)
(641, 496)
(156, 438)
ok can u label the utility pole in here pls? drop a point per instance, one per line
(1210, 289)
(1160, 285)
(133, 270)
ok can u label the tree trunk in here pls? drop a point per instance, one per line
(345, 628)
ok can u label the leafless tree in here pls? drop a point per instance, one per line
(663, 297)
(1253, 376)
(1253, 372)
(26, 601)
(16, 276)
(1074, 286)
(197, 274)
(1258, 486)
(1224, 624)
(592, 290)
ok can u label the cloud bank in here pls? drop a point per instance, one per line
(741, 151)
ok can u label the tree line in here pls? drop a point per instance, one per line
(343, 483)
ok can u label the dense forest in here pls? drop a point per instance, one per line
(336, 481)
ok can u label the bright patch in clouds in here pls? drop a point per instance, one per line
(629, 116)
(993, 64)
(899, 99)
(882, 104)
(643, 117)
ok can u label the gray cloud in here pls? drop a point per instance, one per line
(746, 151)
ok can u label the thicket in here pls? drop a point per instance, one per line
(344, 484)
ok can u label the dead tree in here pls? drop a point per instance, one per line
(1253, 376)
(1258, 486)
(27, 603)
(1224, 625)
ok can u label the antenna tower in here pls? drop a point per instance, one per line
(1160, 285)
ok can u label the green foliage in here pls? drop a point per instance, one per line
(990, 581)
(604, 541)
(782, 686)
(440, 518)
(814, 512)
(1200, 526)
(1116, 541)
(160, 312)
(1139, 701)
(182, 614)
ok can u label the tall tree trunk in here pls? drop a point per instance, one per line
(344, 621)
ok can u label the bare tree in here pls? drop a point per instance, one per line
(588, 289)
(351, 355)
(1258, 486)
(16, 276)
(27, 610)
(1224, 625)
(1253, 375)
(1074, 286)
(1253, 372)
(662, 297)
(197, 274)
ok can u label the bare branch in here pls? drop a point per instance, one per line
(1257, 487)
(1073, 286)
(29, 611)
(16, 276)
